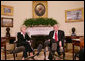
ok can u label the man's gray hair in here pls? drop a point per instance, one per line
(56, 25)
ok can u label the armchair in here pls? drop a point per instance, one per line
(52, 50)
(18, 49)
(80, 54)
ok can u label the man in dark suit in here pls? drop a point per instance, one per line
(58, 37)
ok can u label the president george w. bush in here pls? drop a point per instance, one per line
(58, 37)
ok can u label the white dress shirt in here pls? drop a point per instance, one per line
(23, 34)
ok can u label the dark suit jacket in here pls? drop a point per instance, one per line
(61, 36)
(21, 40)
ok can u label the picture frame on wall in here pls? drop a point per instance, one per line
(6, 22)
(74, 15)
(40, 9)
(6, 10)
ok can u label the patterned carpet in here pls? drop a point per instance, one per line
(68, 55)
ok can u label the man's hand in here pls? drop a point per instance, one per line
(49, 40)
(15, 41)
(29, 42)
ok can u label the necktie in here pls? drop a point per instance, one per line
(56, 36)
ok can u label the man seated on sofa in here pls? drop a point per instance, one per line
(58, 37)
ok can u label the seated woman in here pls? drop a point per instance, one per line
(24, 40)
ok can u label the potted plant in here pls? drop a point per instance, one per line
(40, 22)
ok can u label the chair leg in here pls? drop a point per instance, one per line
(29, 53)
(66, 47)
(75, 57)
(14, 56)
(63, 56)
(63, 53)
(33, 52)
(44, 55)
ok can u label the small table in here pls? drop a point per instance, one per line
(5, 40)
(76, 42)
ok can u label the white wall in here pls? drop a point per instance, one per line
(56, 10)
(22, 10)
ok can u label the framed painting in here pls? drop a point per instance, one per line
(40, 9)
(74, 15)
(6, 10)
(6, 22)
